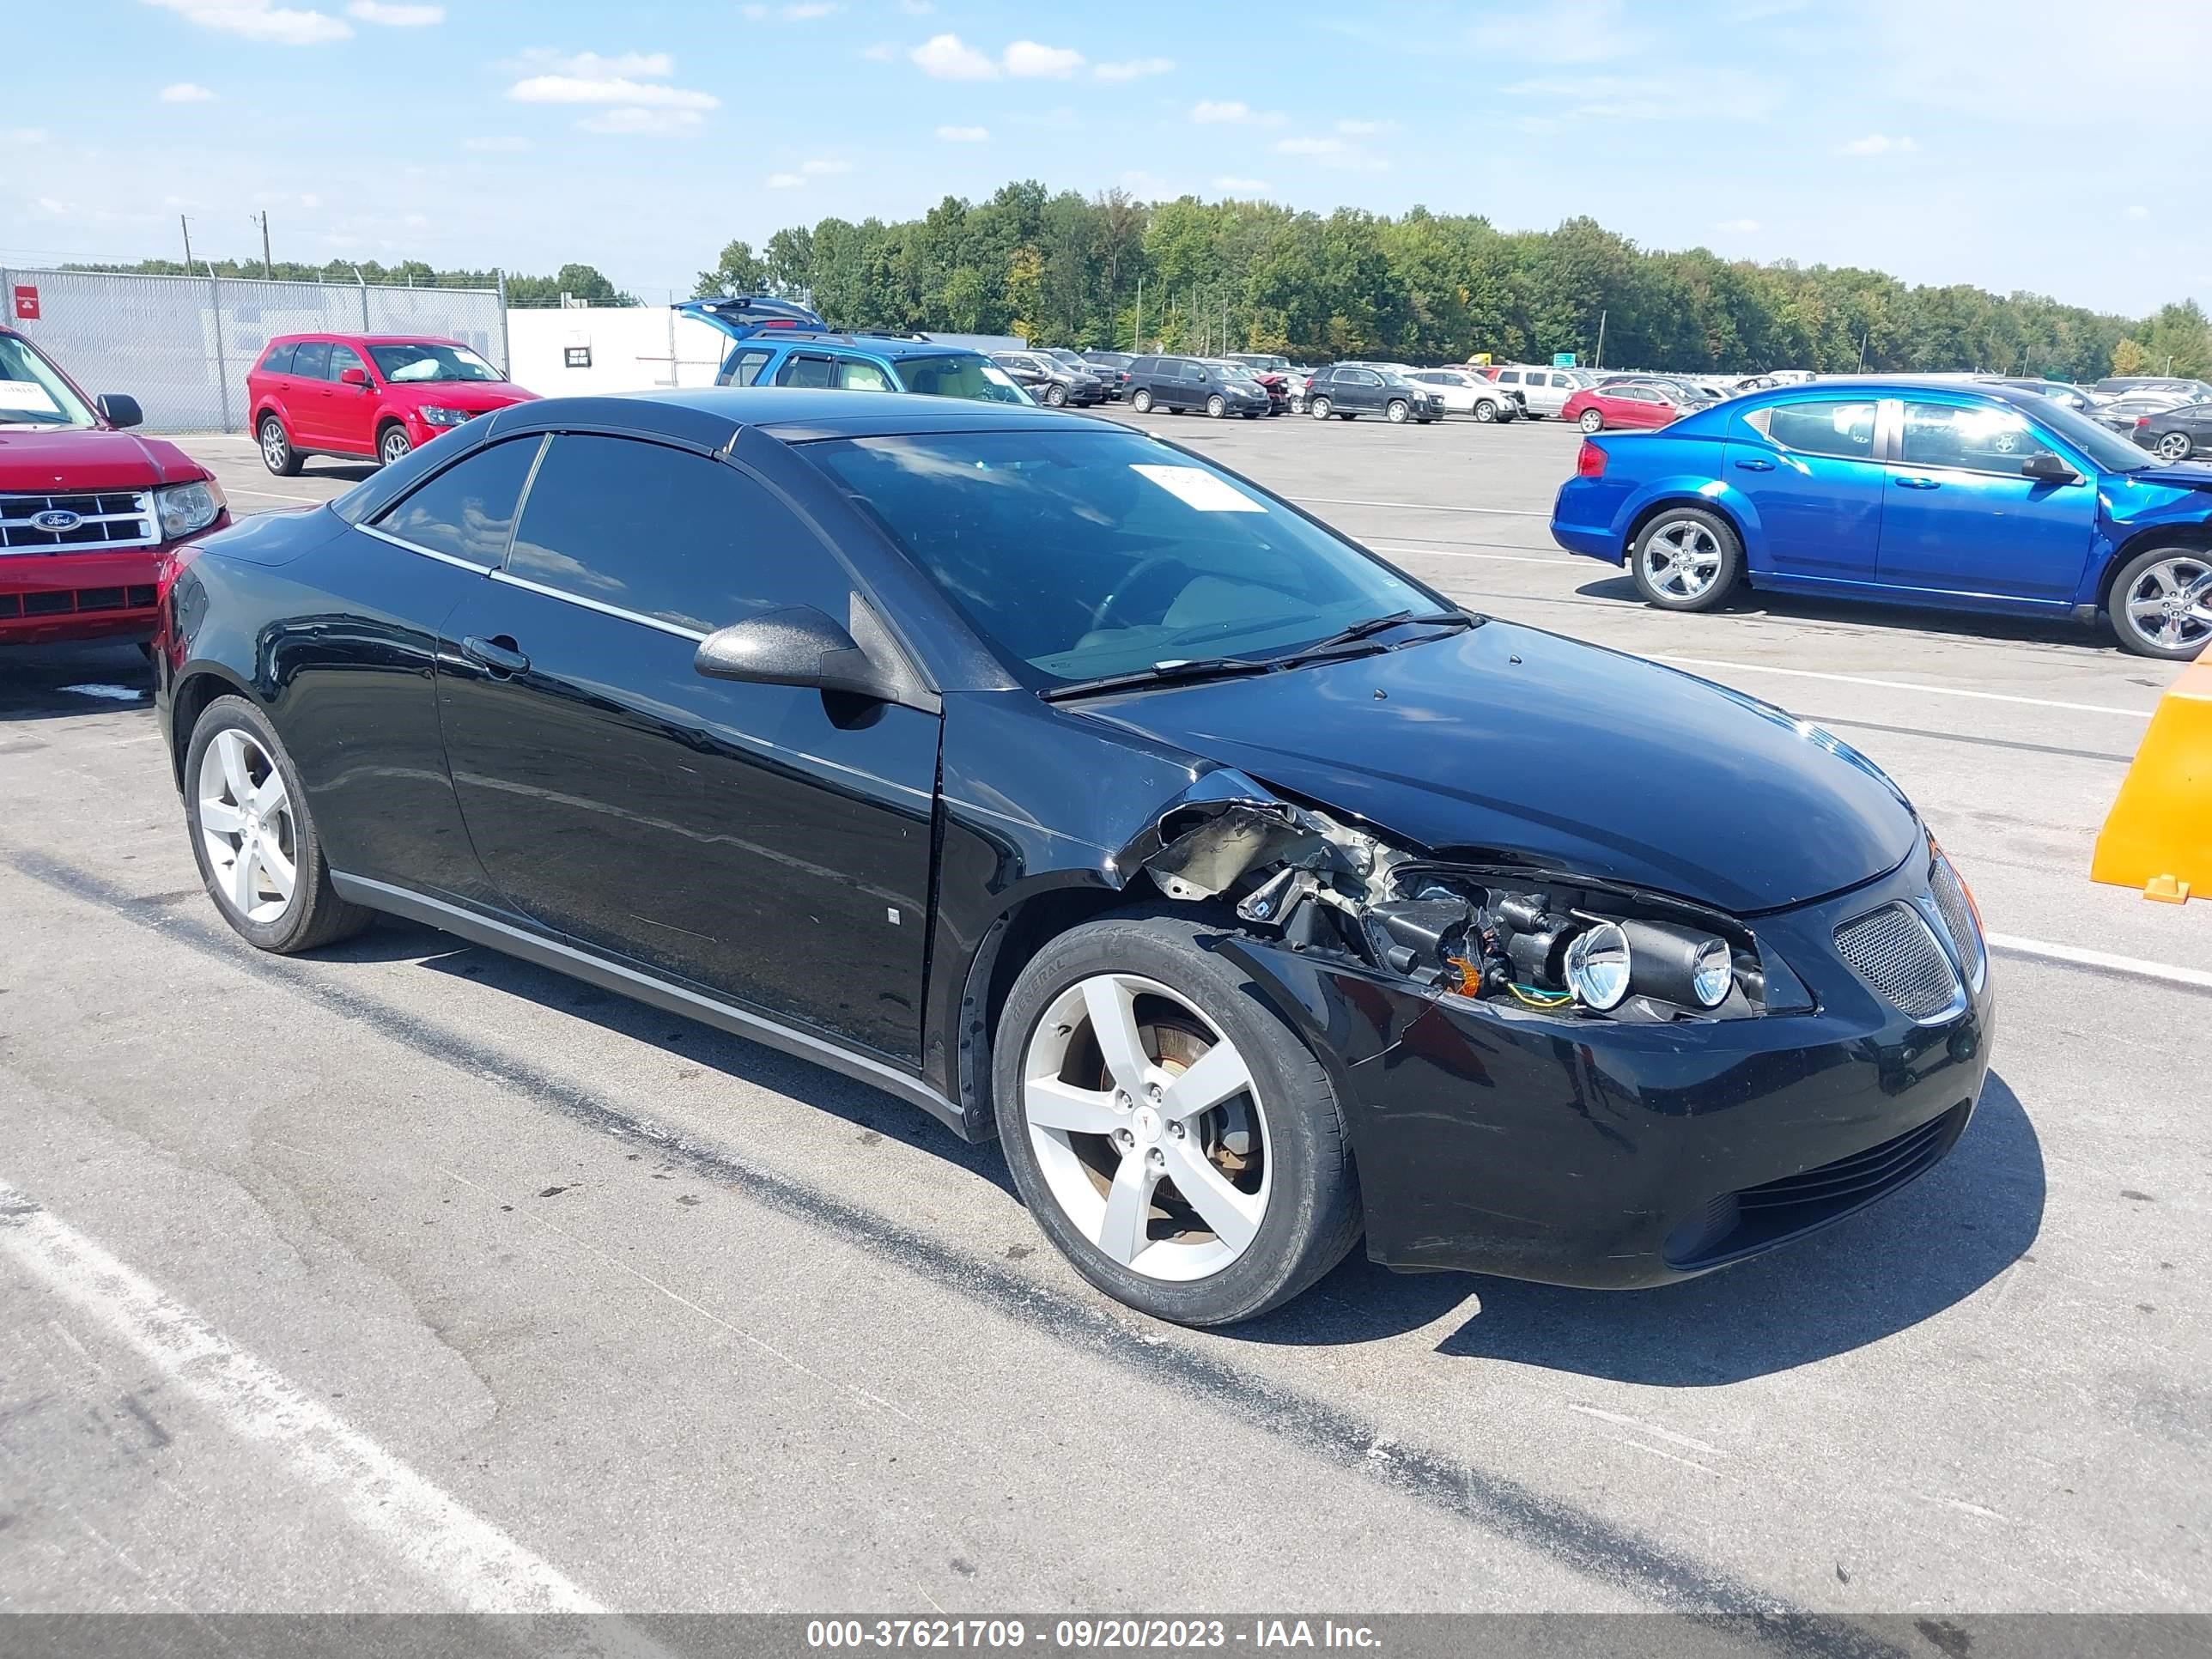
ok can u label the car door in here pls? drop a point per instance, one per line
(307, 395)
(352, 409)
(1358, 391)
(1809, 471)
(770, 843)
(1962, 518)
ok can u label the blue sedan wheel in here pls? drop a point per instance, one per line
(1686, 559)
(2161, 604)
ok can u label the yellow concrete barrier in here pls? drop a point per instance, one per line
(2158, 837)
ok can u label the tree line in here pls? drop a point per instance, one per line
(1250, 276)
(583, 283)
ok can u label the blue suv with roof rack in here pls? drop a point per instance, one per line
(782, 343)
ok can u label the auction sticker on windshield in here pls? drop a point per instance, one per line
(28, 394)
(1196, 487)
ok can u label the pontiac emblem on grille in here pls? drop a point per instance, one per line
(57, 520)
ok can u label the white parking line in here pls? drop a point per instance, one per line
(1899, 685)
(1426, 507)
(479, 1566)
(2196, 978)
(1501, 558)
(270, 495)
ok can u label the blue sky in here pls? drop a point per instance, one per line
(1945, 142)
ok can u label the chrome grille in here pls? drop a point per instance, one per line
(1893, 950)
(1958, 914)
(108, 518)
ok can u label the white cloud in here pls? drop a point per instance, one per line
(949, 58)
(186, 92)
(1311, 147)
(820, 167)
(1132, 68)
(1230, 113)
(1028, 60)
(26, 136)
(1877, 143)
(882, 53)
(1243, 186)
(260, 19)
(1333, 153)
(612, 89)
(634, 120)
(497, 144)
(2138, 213)
(802, 11)
(964, 135)
(590, 65)
(917, 8)
(311, 200)
(393, 16)
(1558, 31)
(1365, 128)
(1740, 226)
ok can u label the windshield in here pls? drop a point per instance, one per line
(1236, 372)
(965, 374)
(1392, 377)
(32, 393)
(2104, 446)
(418, 365)
(1082, 554)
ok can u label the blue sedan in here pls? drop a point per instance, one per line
(1928, 493)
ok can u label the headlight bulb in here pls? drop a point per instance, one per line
(1680, 965)
(1597, 966)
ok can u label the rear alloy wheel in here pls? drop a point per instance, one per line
(1141, 401)
(1593, 421)
(1216, 405)
(2172, 446)
(393, 445)
(2161, 604)
(1055, 395)
(1319, 408)
(1172, 1136)
(1398, 413)
(252, 838)
(277, 451)
(1485, 410)
(1686, 560)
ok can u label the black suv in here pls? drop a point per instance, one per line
(1176, 383)
(1348, 391)
(1049, 380)
(1111, 367)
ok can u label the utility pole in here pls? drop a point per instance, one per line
(186, 225)
(1138, 344)
(268, 267)
(1599, 361)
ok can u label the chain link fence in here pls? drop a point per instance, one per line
(181, 345)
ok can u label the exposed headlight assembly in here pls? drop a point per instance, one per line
(188, 506)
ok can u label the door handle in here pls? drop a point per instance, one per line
(1756, 466)
(499, 655)
(1919, 483)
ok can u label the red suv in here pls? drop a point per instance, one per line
(87, 511)
(375, 395)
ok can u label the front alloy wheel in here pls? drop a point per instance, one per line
(2172, 446)
(2162, 603)
(394, 446)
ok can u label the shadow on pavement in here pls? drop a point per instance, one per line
(1889, 1267)
(34, 679)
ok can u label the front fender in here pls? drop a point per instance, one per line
(2130, 510)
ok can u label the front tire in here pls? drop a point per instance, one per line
(1173, 1138)
(2161, 603)
(1398, 411)
(1592, 421)
(277, 451)
(1686, 559)
(1217, 406)
(1141, 401)
(393, 445)
(1056, 395)
(252, 836)
(1486, 410)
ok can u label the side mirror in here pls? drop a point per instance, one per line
(354, 376)
(797, 645)
(2049, 469)
(117, 409)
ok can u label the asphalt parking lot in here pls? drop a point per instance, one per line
(421, 1279)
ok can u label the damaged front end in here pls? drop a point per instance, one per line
(1491, 928)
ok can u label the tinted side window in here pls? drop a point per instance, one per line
(278, 362)
(1984, 439)
(343, 357)
(467, 510)
(1825, 428)
(668, 534)
(743, 366)
(1508, 377)
(857, 374)
(1194, 371)
(310, 358)
(807, 371)
(1144, 365)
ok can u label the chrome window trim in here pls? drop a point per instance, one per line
(453, 559)
(661, 622)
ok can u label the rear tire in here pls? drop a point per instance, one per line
(1319, 408)
(1592, 421)
(1141, 400)
(2173, 448)
(244, 805)
(1281, 1202)
(2161, 603)
(1686, 559)
(277, 451)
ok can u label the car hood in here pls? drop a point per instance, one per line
(2173, 478)
(89, 458)
(1506, 740)
(475, 396)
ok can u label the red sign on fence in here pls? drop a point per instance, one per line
(26, 303)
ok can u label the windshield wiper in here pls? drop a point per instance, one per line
(1173, 671)
(1321, 650)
